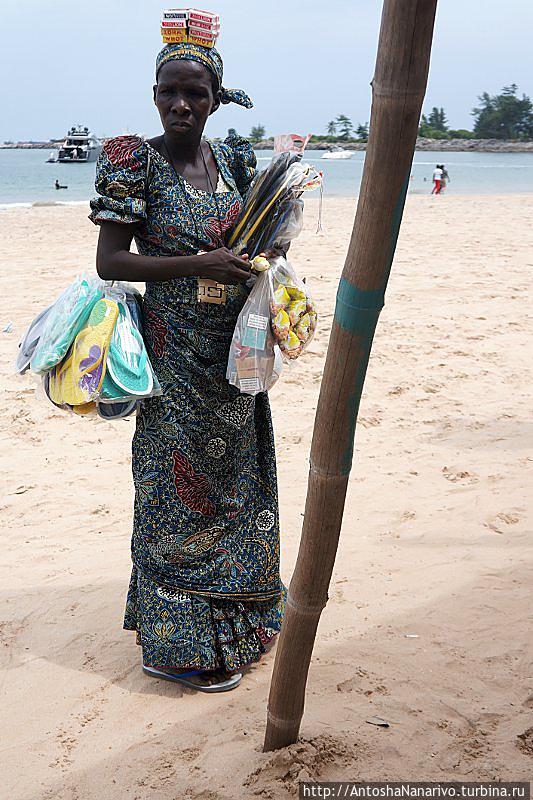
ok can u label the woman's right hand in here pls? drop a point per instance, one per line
(223, 266)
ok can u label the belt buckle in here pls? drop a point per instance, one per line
(210, 291)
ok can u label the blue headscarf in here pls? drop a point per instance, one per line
(211, 59)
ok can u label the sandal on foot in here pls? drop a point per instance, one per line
(222, 686)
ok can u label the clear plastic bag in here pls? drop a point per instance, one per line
(68, 316)
(30, 340)
(107, 362)
(251, 357)
(290, 225)
(293, 315)
(279, 315)
(88, 348)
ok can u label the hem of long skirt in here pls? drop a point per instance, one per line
(266, 644)
(249, 642)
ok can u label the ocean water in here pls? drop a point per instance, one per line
(26, 178)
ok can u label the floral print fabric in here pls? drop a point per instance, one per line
(176, 628)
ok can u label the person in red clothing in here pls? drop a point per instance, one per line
(437, 180)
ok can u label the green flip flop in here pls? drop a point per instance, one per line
(127, 361)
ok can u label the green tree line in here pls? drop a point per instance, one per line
(499, 116)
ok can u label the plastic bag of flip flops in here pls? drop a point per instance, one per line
(278, 319)
(88, 348)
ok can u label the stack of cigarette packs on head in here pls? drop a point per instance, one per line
(190, 25)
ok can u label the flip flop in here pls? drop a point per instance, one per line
(85, 410)
(30, 340)
(67, 317)
(127, 362)
(114, 403)
(79, 377)
(223, 686)
(46, 386)
(117, 409)
(110, 392)
(133, 301)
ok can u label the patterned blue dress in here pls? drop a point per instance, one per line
(205, 590)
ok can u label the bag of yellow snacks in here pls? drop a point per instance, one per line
(278, 319)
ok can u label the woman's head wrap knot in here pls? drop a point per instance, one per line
(211, 59)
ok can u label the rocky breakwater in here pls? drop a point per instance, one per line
(474, 145)
(435, 145)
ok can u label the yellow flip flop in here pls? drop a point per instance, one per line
(85, 409)
(77, 380)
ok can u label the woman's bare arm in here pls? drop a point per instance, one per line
(115, 262)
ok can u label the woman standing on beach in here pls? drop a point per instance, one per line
(445, 178)
(205, 596)
(437, 180)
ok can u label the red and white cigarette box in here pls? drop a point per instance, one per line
(203, 34)
(204, 16)
(174, 23)
(201, 40)
(204, 26)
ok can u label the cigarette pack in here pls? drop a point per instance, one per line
(173, 23)
(203, 16)
(205, 26)
(176, 13)
(174, 35)
(202, 34)
(249, 368)
(201, 41)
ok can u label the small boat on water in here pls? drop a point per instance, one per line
(336, 152)
(52, 158)
(80, 146)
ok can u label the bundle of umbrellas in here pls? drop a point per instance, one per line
(279, 317)
(272, 213)
(89, 350)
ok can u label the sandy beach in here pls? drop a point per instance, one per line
(429, 619)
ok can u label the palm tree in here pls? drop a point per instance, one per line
(257, 134)
(362, 132)
(346, 126)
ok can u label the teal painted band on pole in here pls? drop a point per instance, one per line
(357, 310)
(397, 219)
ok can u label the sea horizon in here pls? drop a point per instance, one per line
(26, 179)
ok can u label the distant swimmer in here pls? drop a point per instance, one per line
(59, 186)
(437, 180)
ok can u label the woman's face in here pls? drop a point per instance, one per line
(184, 96)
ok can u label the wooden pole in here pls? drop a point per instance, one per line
(398, 90)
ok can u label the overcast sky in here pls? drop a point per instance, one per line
(63, 63)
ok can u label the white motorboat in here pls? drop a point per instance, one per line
(52, 158)
(80, 146)
(336, 152)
